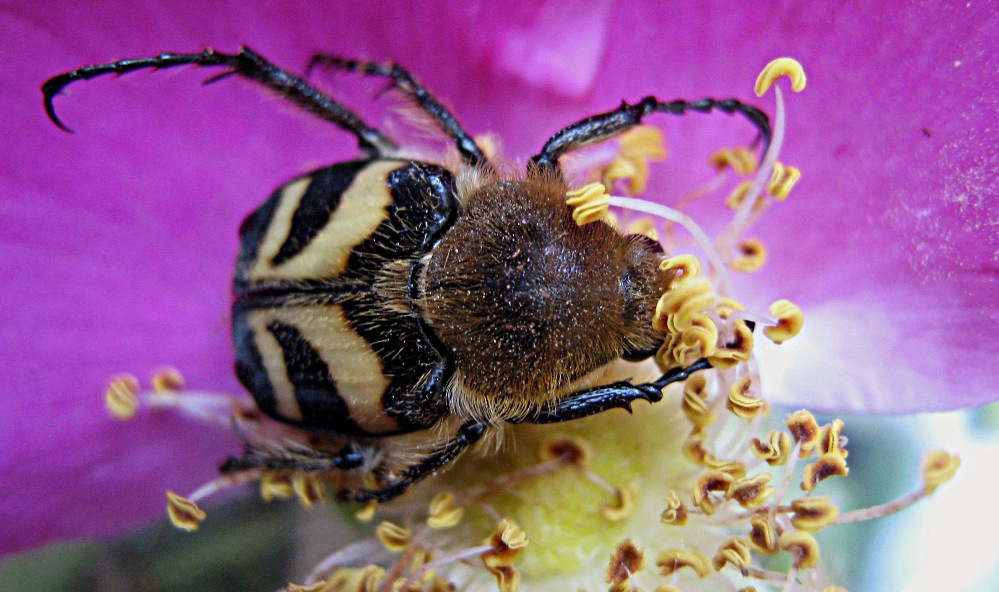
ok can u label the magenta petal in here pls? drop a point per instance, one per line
(118, 241)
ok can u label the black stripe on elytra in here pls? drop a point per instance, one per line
(250, 366)
(315, 390)
(321, 198)
(417, 372)
(424, 206)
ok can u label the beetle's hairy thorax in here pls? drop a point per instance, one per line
(528, 302)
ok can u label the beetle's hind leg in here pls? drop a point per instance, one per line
(619, 395)
(404, 82)
(468, 434)
(247, 64)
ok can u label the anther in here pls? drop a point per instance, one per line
(569, 449)
(443, 511)
(734, 552)
(626, 559)
(121, 396)
(275, 485)
(775, 451)
(589, 203)
(780, 67)
(506, 542)
(826, 466)
(682, 266)
(789, 321)
(751, 492)
(938, 468)
(675, 513)
(716, 481)
(751, 257)
(393, 537)
(625, 500)
(801, 546)
(674, 559)
(738, 195)
(308, 488)
(695, 406)
(762, 537)
(782, 181)
(367, 511)
(831, 439)
(167, 380)
(813, 513)
(741, 402)
(739, 159)
(804, 429)
(184, 514)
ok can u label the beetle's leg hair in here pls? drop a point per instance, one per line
(296, 459)
(468, 434)
(404, 82)
(587, 402)
(607, 125)
(246, 63)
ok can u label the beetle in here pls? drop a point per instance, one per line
(386, 295)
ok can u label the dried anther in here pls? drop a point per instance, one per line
(626, 559)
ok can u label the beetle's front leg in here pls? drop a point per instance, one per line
(587, 402)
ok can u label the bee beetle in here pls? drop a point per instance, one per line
(386, 296)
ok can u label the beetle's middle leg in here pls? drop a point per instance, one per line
(404, 82)
(468, 434)
(296, 459)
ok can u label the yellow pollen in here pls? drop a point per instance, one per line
(938, 468)
(443, 511)
(762, 537)
(625, 499)
(589, 203)
(740, 159)
(826, 466)
(645, 226)
(275, 485)
(801, 546)
(741, 402)
(627, 559)
(184, 514)
(734, 552)
(752, 492)
(813, 513)
(782, 181)
(775, 451)
(308, 488)
(751, 257)
(367, 511)
(700, 335)
(675, 513)
(710, 481)
(733, 468)
(675, 559)
(121, 396)
(780, 67)
(393, 537)
(167, 380)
